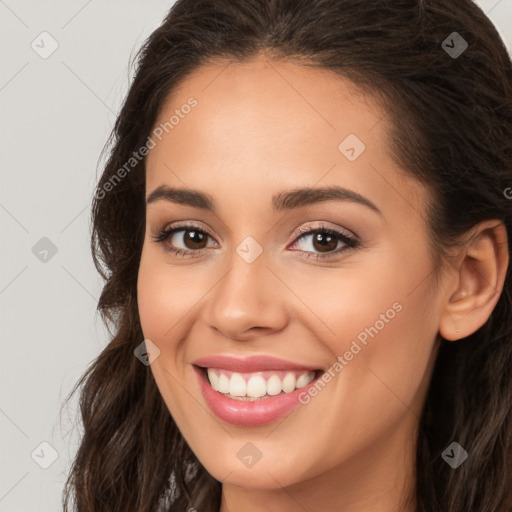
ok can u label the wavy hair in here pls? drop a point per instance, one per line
(451, 129)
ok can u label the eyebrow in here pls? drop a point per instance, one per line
(286, 200)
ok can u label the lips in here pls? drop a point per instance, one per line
(255, 407)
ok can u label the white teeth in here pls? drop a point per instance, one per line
(223, 384)
(274, 385)
(237, 385)
(289, 382)
(256, 386)
(214, 379)
(303, 380)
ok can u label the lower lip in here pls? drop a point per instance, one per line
(249, 413)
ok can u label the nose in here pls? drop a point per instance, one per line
(248, 302)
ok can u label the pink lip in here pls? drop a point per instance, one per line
(250, 364)
(246, 413)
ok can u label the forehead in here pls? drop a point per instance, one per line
(263, 124)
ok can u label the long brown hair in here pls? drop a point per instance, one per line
(451, 119)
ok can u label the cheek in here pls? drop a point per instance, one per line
(166, 296)
(164, 301)
(381, 322)
(387, 344)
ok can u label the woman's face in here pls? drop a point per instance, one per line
(255, 284)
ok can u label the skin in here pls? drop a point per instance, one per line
(260, 128)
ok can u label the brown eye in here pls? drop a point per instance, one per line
(183, 240)
(194, 239)
(322, 242)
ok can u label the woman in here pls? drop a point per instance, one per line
(303, 226)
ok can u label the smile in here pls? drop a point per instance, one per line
(252, 391)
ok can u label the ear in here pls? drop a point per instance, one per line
(477, 281)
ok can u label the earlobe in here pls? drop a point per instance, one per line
(478, 281)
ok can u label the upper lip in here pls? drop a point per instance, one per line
(250, 364)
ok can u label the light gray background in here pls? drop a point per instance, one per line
(56, 114)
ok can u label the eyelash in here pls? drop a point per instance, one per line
(350, 241)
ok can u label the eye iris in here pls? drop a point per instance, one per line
(195, 238)
(326, 242)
